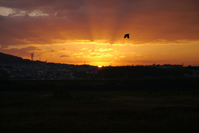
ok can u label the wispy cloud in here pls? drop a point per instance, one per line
(64, 56)
(43, 22)
(84, 48)
(104, 50)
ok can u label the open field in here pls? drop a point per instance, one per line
(99, 111)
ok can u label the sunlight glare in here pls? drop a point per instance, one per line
(99, 66)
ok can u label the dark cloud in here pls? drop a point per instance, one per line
(41, 4)
(53, 51)
(1, 18)
(145, 20)
(64, 56)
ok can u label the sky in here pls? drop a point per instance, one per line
(92, 31)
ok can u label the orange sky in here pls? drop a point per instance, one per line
(92, 31)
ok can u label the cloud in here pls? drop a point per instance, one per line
(50, 22)
(84, 48)
(21, 52)
(105, 50)
(64, 56)
(92, 50)
(54, 51)
(95, 55)
(41, 4)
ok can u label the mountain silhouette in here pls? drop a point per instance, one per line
(6, 58)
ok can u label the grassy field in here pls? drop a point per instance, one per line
(99, 111)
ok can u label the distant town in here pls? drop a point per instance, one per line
(15, 68)
(53, 71)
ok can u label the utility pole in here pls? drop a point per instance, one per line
(32, 56)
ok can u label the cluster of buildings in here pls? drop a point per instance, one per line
(47, 71)
(53, 71)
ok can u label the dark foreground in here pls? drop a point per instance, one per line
(66, 110)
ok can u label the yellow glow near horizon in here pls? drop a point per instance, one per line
(114, 55)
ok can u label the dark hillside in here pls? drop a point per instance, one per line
(6, 58)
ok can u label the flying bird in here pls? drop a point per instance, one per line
(126, 36)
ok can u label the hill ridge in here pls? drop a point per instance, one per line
(7, 58)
